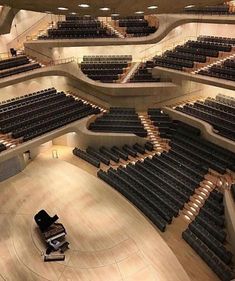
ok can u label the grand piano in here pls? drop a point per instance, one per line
(53, 233)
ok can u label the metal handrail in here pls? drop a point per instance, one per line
(171, 46)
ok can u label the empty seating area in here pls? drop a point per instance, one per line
(218, 111)
(135, 26)
(194, 53)
(225, 70)
(75, 27)
(211, 10)
(119, 120)
(160, 185)
(15, 65)
(206, 236)
(114, 154)
(106, 69)
(35, 114)
(143, 74)
(160, 120)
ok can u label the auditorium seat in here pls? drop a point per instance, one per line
(16, 65)
(214, 111)
(35, 114)
(119, 120)
(210, 10)
(106, 69)
(75, 27)
(190, 55)
(87, 157)
(143, 74)
(134, 26)
(225, 70)
(206, 236)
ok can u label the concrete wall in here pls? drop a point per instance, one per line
(7, 15)
(11, 167)
(206, 129)
(32, 85)
(139, 52)
(22, 21)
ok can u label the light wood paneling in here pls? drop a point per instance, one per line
(110, 239)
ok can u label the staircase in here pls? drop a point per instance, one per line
(111, 28)
(131, 72)
(159, 143)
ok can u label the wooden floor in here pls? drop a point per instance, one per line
(110, 239)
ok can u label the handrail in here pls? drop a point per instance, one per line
(53, 21)
(164, 47)
(26, 30)
(62, 61)
(21, 38)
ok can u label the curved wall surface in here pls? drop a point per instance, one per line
(167, 22)
(206, 129)
(6, 18)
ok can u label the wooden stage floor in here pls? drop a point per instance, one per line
(110, 240)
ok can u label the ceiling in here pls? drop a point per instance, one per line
(123, 7)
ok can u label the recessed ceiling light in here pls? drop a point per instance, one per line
(73, 13)
(63, 9)
(87, 16)
(189, 6)
(152, 7)
(115, 15)
(139, 12)
(104, 9)
(84, 5)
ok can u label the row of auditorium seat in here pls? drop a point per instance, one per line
(119, 120)
(143, 75)
(187, 56)
(135, 26)
(13, 62)
(16, 65)
(216, 112)
(206, 236)
(41, 112)
(211, 10)
(106, 69)
(78, 28)
(226, 70)
(161, 185)
(204, 153)
(105, 155)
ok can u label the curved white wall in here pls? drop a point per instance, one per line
(22, 21)
(177, 36)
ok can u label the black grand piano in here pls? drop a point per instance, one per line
(53, 233)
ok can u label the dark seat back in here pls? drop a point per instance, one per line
(44, 221)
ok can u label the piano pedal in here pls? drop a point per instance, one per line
(48, 258)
